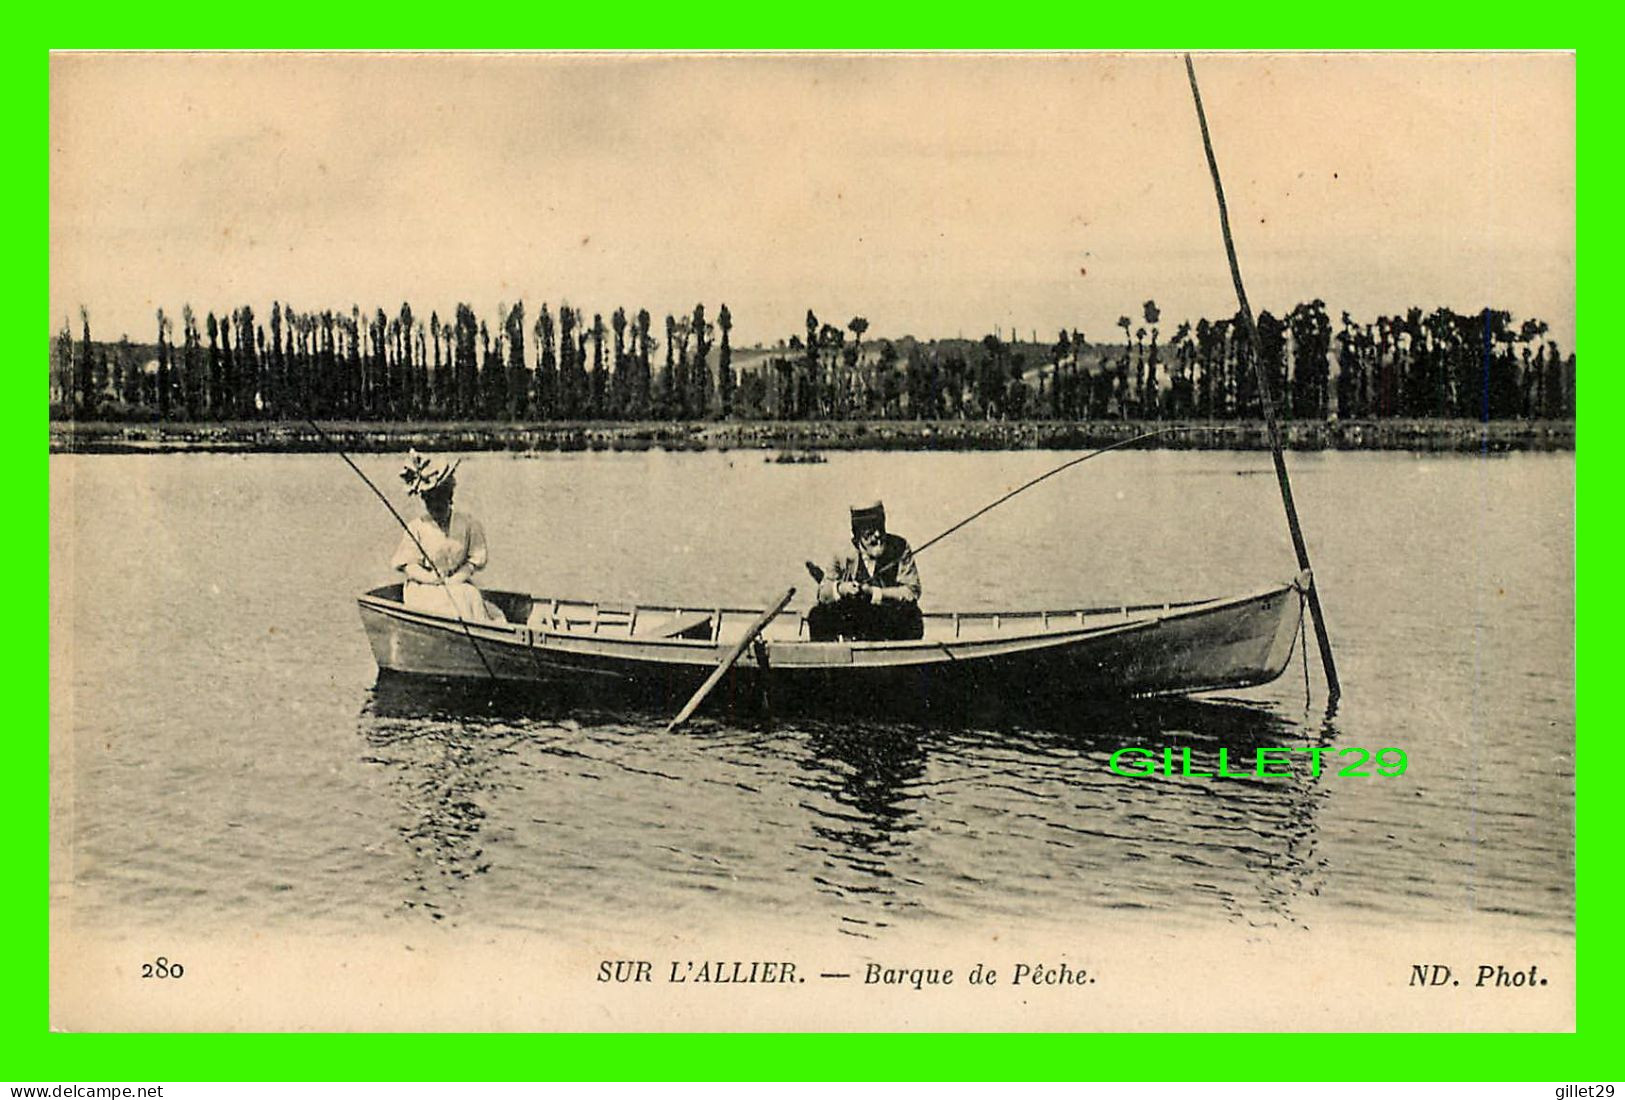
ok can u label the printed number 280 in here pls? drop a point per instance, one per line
(162, 968)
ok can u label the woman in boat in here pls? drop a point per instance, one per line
(441, 551)
(871, 590)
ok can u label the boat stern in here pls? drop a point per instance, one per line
(421, 644)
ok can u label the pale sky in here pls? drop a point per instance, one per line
(932, 194)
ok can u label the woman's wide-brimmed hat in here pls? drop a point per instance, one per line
(424, 474)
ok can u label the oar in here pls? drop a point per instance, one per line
(731, 659)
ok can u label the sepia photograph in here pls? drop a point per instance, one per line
(812, 542)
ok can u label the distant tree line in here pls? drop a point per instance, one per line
(567, 365)
(1438, 365)
(564, 366)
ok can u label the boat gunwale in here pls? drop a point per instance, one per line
(633, 647)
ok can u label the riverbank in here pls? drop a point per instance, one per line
(951, 435)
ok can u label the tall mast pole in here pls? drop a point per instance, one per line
(1333, 688)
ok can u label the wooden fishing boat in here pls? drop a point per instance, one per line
(666, 651)
(1079, 653)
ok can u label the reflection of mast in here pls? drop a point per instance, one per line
(1267, 827)
(1276, 815)
(1300, 865)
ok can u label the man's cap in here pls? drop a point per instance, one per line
(869, 514)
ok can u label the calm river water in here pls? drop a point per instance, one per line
(224, 759)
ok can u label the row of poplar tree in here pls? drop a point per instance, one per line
(378, 367)
(564, 366)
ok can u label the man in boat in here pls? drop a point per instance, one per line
(871, 590)
(440, 552)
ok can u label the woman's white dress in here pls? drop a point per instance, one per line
(462, 543)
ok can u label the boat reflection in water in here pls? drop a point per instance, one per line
(521, 813)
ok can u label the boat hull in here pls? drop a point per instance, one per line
(1030, 656)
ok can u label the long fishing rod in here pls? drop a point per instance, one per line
(1067, 465)
(818, 573)
(1332, 686)
(336, 449)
